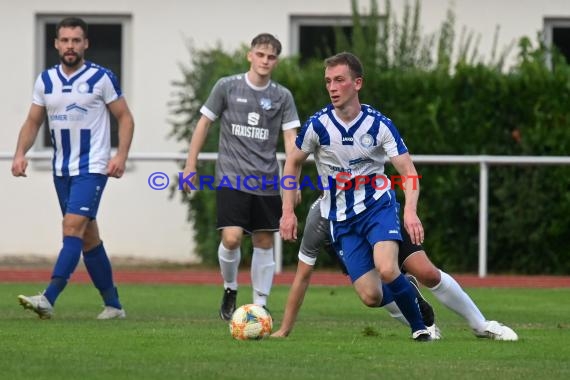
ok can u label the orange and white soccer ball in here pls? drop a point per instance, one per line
(251, 322)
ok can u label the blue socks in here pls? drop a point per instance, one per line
(387, 296)
(65, 265)
(99, 269)
(406, 300)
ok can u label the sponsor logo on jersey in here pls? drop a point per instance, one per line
(74, 113)
(75, 106)
(359, 160)
(241, 100)
(253, 118)
(251, 132)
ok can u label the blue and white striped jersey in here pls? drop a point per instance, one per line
(347, 154)
(78, 118)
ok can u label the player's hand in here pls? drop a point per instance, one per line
(413, 225)
(279, 334)
(116, 167)
(189, 171)
(19, 166)
(288, 226)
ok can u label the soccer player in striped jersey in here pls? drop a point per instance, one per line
(413, 259)
(350, 141)
(76, 98)
(253, 111)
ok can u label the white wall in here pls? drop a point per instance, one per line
(135, 220)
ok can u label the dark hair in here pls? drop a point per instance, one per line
(267, 39)
(72, 22)
(348, 59)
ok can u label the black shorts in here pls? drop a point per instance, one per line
(251, 212)
(407, 248)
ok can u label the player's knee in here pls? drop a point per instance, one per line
(231, 242)
(370, 299)
(429, 277)
(388, 274)
(70, 229)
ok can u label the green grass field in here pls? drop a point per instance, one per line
(173, 332)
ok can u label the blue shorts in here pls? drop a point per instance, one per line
(354, 239)
(80, 194)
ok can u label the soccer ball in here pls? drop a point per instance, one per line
(251, 322)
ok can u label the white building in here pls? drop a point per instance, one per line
(137, 221)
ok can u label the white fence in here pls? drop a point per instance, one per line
(484, 163)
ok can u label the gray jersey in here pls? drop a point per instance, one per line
(252, 119)
(315, 235)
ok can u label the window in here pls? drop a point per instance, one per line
(314, 36)
(557, 33)
(107, 36)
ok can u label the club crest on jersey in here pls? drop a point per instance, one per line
(366, 140)
(265, 103)
(83, 88)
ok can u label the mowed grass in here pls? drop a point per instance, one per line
(173, 332)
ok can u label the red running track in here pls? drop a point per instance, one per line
(195, 276)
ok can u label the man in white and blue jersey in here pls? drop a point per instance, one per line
(413, 259)
(253, 111)
(76, 98)
(350, 141)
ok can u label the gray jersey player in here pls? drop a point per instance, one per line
(253, 111)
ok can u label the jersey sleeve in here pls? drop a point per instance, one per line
(290, 115)
(215, 103)
(38, 92)
(392, 142)
(307, 139)
(111, 88)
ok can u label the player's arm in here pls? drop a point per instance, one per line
(293, 164)
(411, 187)
(196, 144)
(122, 113)
(295, 299)
(26, 138)
(289, 136)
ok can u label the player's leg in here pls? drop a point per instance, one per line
(265, 213)
(232, 220)
(100, 271)
(449, 292)
(407, 248)
(382, 228)
(354, 250)
(262, 266)
(65, 265)
(79, 198)
(385, 258)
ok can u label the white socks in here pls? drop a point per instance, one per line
(395, 312)
(449, 293)
(262, 271)
(229, 263)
